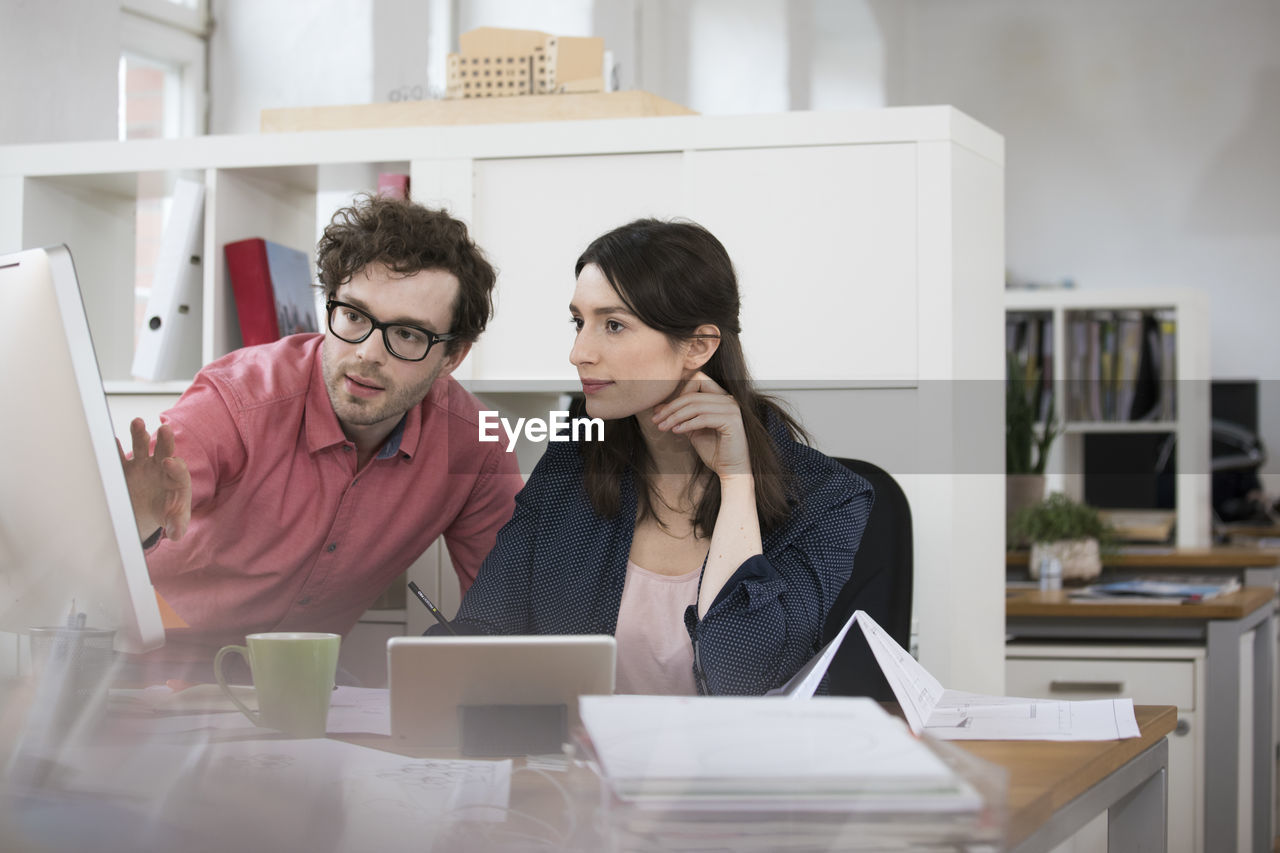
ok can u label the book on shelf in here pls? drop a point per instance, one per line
(1029, 339)
(169, 340)
(1146, 393)
(1077, 408)
(1168, 365)
(393, 184)
(1119, 365)
(272, 288)
(1128, 362)
(1108, 358)
(1046, 367)
(1162, 588)
(1093, 370)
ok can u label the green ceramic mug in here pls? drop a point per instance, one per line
(293, 676)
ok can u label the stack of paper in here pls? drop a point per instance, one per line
(748, 773)
(745, 749)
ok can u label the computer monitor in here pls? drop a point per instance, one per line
(68, 540)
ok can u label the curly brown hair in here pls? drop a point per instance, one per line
(408, 238)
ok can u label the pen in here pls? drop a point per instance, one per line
(422, 596)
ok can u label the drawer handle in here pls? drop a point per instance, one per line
(1057, 686)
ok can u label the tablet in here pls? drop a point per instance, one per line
(431, 678)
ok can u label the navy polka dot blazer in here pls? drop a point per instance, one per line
(558, 568)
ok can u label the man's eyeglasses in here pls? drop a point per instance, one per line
(407, 343)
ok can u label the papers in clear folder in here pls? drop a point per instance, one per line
(953, 715)
(834, 753)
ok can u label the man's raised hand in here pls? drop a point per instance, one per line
(159, 483)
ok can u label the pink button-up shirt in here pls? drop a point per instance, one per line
(285, 533)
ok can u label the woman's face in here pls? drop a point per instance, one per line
(625, 366)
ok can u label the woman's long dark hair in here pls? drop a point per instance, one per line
(676, 276)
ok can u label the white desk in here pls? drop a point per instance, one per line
(1219, 627)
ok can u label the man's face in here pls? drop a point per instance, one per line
(368, 386)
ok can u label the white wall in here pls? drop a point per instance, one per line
(1141, 135)
(60, 65)
(277, 53)
(1142, 149)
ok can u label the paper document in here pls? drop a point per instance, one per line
(256, 790)
(1189, 590)
(971, 716)
(684, 750)
(805, 682)
(953, 715)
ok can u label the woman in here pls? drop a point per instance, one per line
(699, 531)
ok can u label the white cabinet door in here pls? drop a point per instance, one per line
(1147, 682)
(824, 240)
(534, 216)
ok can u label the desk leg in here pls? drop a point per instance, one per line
(1222, 733)
(1138, 821)
(1264, 756)
(1222, 727)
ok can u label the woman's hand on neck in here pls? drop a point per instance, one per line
(672, 453)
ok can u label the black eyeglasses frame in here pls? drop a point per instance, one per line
(433, 338)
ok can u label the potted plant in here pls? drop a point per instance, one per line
(1072, 532)
(1025, 450)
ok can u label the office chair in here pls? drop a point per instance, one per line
(880, 585)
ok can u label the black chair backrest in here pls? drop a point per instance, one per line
(880, 585)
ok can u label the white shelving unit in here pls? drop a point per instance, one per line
(869, 247)
(1190, 309)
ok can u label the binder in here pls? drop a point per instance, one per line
(169, 342)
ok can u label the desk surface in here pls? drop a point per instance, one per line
(1171, 558)
(1045, 775)
(1233, 605)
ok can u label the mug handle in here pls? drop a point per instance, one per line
(255, 717)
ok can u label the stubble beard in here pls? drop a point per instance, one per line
(393, 402)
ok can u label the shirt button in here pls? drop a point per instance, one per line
(346, 447)
(304, 601)
(333, 546)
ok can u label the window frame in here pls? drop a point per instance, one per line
(177, 36)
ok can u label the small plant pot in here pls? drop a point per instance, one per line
(1020, 492)
(1080, 558)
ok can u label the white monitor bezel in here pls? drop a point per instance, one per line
(140, 625)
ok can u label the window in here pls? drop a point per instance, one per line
(162, 68)
(161, 95)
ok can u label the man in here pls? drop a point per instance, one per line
(294, 481)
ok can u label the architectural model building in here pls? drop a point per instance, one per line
(493, 62)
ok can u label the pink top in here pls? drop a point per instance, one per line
(655, 654)
(285, 534)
